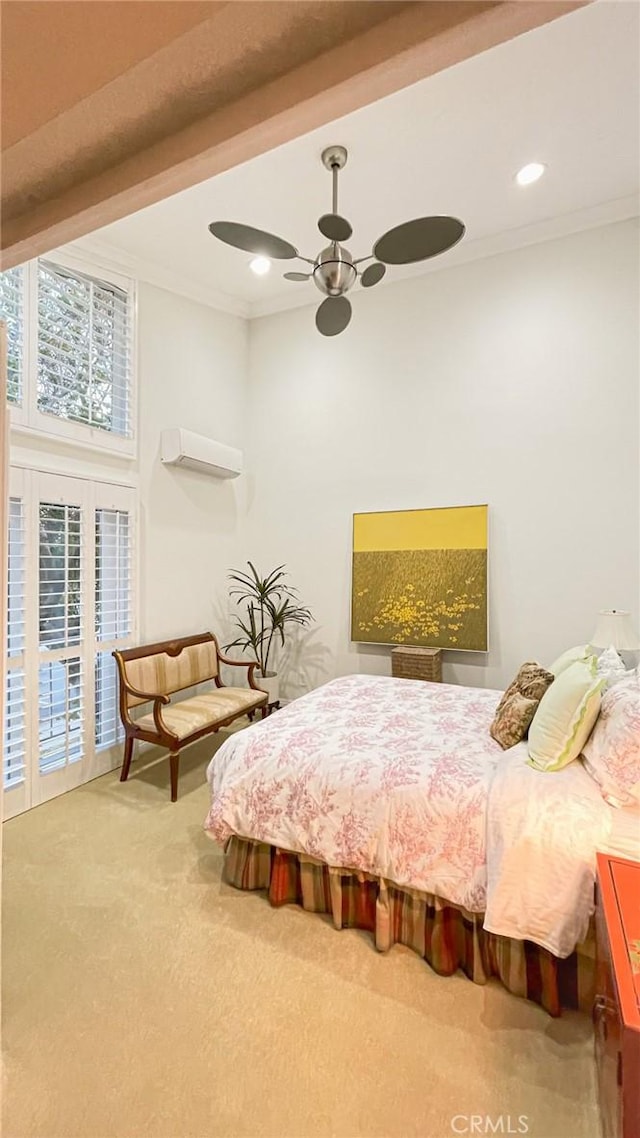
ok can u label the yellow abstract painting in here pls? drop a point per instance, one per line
(420, 578)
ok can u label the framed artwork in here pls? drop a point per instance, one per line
(420, 578)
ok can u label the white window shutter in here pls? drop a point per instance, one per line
(61, 707)
(12, 312)
(113, 614)
(60, 678)
(13, 749)
(61, 568)
(84, 349)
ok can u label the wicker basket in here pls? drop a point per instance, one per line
(417, 664)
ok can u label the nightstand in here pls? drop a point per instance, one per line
(616, 1012)
(417, 664)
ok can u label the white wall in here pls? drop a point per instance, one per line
(511, 381)
(193, 373)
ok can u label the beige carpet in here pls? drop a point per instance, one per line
(143, 997)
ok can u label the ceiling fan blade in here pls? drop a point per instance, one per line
(334, 227)
(418, 240)
(333, 315)
(297, 276)
(253, 240)
(373, 274)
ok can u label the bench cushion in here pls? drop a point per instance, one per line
(189, 715)
(167, 674)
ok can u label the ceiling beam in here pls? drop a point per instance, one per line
(203, 88)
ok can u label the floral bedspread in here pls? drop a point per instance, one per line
(387, 776)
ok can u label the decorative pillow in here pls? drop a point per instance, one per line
(612, 754)
(582, 652)
(518, 704)
(565, 716)
(611, 667)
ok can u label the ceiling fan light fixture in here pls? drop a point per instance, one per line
(334, 271)
(260, 266)
(530, 173)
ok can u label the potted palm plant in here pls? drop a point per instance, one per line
(270, 606)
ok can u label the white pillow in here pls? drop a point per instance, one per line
(611, 667)
(565, 716)
(612, 754)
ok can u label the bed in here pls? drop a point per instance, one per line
(386, 804)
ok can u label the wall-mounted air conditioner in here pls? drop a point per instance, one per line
(185, 448)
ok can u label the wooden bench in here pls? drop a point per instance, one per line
(155, 672)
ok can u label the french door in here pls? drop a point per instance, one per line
(70, 603)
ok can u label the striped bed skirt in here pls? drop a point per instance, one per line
(447, 937)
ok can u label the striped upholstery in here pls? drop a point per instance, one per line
(163, 674)
(158, 671)
(204, 710)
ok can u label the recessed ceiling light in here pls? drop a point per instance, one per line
(260, 265)
(530, 173)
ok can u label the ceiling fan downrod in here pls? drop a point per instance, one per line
(334, 159)
(332, 225)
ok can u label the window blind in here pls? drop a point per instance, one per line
(60, 585)
(13, 743)
(108, 729)
(84, 349)
(60, 713)
(12, 312)
(113, 575)
(15, 578)
(13, 748)
(113, 614)
(60, 680)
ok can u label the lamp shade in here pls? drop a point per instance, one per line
(614, 627)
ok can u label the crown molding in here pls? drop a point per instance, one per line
(119, 260)
(607, 213)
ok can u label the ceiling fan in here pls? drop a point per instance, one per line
(334, 270)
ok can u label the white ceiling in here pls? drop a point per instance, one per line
(566, 94)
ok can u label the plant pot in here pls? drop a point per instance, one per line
(269, 683)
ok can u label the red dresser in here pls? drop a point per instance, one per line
(616, 1010)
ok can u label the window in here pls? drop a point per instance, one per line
(12, 312)
(83, 349)
(71, 553)
(71, 602)
(70, 351)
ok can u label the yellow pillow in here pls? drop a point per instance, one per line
(565, 717)
(581, 652)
